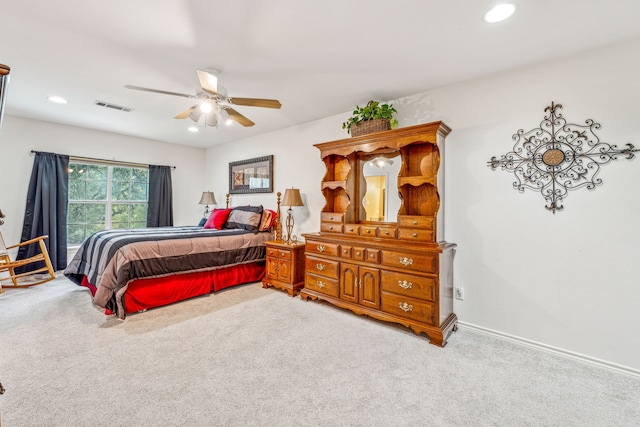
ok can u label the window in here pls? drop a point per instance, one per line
(103, 197)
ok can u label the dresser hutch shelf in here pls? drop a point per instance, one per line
(398, 271)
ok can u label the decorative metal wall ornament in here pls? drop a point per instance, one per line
(557, 157)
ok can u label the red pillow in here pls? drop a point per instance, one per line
(217, 218)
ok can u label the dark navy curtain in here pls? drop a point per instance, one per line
(160, 208)
(46, 211)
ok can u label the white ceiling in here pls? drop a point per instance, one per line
(319, 58)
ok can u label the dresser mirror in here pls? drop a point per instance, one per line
(378, 185)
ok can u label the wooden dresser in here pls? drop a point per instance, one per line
(377, 256)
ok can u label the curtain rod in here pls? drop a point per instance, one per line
(103, 161)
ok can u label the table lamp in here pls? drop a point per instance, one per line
(291, 198)
(207, 199)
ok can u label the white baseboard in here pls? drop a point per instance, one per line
(558, 351)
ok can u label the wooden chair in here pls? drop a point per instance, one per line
(7, 265)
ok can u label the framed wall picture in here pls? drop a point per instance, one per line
(251, 176)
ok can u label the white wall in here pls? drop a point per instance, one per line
(567, 280)
(19, 136)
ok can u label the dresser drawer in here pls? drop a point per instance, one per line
(411, 261)
(331, 217)
(415, 221)
(321, 267)
(368, 230)
(372, 255)
(415, 234)
(330, 227)
(409, 308)
(329, 249)
(409, 285)
(352, 229)
(322, 284)
(387, 232)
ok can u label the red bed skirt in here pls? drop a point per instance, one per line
(158, 291)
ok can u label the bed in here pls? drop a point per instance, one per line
(128, 271)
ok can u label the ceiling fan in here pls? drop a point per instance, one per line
(211, 102)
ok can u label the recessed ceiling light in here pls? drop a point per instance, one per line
(57, 99)
(499, 12)
(193, 129)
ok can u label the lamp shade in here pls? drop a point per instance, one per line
(292, 197)
(208, 198)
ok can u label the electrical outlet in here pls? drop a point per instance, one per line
(460, 293)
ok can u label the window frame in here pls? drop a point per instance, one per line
(109, 200)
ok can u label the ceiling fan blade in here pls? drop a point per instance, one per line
(185, 113)
(145, 89)
(235, 116)
(255, 102)
(208, 82)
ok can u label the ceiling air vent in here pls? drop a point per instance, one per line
(113, 106)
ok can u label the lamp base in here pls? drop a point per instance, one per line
(291, 238)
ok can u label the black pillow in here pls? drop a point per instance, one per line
(245, 217)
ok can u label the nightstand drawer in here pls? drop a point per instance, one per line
(278, 253)
(322, 284)
(409, 285)
(321, 267)
(409, 308)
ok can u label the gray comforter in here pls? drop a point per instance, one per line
(111, 259)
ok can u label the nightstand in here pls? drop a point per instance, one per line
(285, 266)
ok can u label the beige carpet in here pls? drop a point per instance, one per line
(248, 356)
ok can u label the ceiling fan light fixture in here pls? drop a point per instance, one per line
(224, 116)
(206, 107)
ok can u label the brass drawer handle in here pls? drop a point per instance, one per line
(415, 234)
(368, 231)
(386, 232)
(330, 218)
(405, 307)
(321, 267)
(331, 228)
(404, 284)
(406, 261)
(415, 222)
(358, 253)
(321, 284)
(321, 248)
